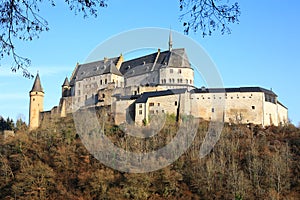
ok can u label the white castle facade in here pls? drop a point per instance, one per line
(158, 83)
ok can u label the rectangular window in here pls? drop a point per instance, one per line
(179, 71)
(158, 104)
(213, 110)
(140, 106)
(105, 81)
(253, 107)
(100, 82)
(175, 103)
(140, 112)
(151, 104)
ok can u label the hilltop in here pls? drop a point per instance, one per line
(248, 162)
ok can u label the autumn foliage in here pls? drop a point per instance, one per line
(248, 162)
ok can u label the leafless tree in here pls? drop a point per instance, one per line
(209, 15)
(20, 20)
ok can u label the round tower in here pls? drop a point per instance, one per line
(36, 105)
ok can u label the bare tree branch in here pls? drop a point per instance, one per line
(20, 20)
(208, 15)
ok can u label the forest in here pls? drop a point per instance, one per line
(248, 162)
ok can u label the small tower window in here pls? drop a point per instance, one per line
(175, 103)
(33, 99)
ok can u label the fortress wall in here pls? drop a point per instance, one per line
(246, 107)
(270, 114)
(203, 105)
(120, 110)
(282, 114)
(239, 107)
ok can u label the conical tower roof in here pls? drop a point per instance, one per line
(37, 87)
(66, 82)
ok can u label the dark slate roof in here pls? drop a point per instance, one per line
(228, 90)
(144, 97)
(96, 68)
(126, 97)
(137, 66)
(282, 104)
(37, 86)
(66, 82)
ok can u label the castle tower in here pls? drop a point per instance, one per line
(66, 88)
(36, 103)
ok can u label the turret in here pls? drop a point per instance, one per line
(66, 88)
(36, 105)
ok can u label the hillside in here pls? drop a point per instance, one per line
(247, 163)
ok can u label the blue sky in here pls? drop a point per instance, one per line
(263, 50)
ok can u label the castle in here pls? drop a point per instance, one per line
(158, 83)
